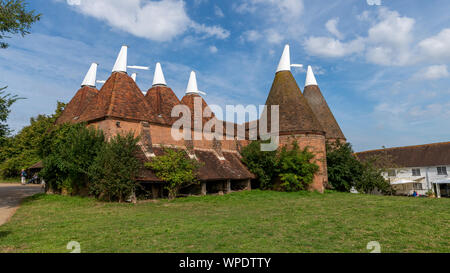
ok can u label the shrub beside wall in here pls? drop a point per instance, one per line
(285, 169)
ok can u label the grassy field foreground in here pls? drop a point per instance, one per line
(253, 221)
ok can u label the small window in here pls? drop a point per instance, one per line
(442, 170)
(418, 186)
(416, 172)
(391, 173)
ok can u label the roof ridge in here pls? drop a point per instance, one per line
(113, 95)
(402, 147)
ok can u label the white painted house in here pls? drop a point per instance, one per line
(417, 168)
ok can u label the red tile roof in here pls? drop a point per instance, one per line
(77, 105)
(121, 98)
(436, 154)
(296, 116)
(162, 100)
(189, 100)
(323, 113)
(212, 168)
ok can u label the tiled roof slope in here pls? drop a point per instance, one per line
(119, 97)
(77, 105)
(296, 115)
(162, 100)
(436, 154)
(189, 100)
(211, 169)
(323, 113)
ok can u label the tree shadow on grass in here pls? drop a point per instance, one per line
(3, 234)
(33, 198)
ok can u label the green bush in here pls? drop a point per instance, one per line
(23, 150)
(176, 169)
(371, 178)
(293, 167)
(262, 164)
(115, 168)
(68, 152)
(344, 169)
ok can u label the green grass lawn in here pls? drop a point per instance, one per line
(253, 221)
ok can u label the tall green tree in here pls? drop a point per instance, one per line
(114, 170)
(24, 149)
(344, 170)
(15, 18)
(6, 101)
(69, 151)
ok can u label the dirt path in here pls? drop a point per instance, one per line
(10, 197)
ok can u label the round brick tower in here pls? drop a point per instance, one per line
(297, 121)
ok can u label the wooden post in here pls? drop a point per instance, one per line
(204, 189)
(249, 185)
(228, 186)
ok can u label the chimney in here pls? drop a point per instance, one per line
(91, 76)
(158, 78)
(310, 78)
(121, 62)
(192, 87)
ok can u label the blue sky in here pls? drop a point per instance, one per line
(384, 69)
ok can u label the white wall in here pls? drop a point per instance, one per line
(406, 173)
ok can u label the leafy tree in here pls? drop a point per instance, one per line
(176, 169)
(6, 101)
(296, 168)
(371, 178)
(69, 151)
(15, 19)
(261, 163)
(24, 149)
(344, 169)
(293, 167)
(114, 170)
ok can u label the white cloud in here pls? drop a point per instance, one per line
(388, 41)
(218, 12)
(436, 47)
(155, 20)
(280, 19)
(213, 49)
(330, 47)
(433, 72)
(251, 35)
(331, 26)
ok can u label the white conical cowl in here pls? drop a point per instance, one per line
(91, 77)
(310, 78)
(121, 62)
(158, 78)
(285, 62)
(134, 76)
(192, 87)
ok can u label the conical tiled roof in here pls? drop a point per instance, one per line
(119, 97)
(162, 100)
(323, 113)
(295, 115)
(189, 100)
(75, 108)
